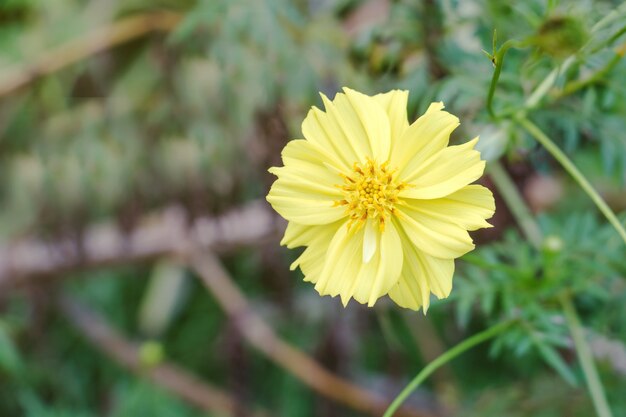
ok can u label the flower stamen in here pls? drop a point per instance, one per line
(370, 192)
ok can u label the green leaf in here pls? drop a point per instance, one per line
(10, 361)
(552, 358)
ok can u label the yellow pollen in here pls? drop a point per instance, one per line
(370, 192)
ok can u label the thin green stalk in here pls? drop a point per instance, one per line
(567, 164)
(442, 360)
(516, 204)
(498, 60)
(586, 359)
(597, 76)
(548, 82)
(609, 40)
(497, 57)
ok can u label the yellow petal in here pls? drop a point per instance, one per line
(395, 104)
(306, 163)
(370, 238)
(309, 262)
(438, 237)
(374, 123)
(322, 186)
(342, 262)
(346, 275)
(434, 107)
(390, 258)
(468, 207)
(317, 239)
(420, 276)
(345, 127)
(410, 292)
(450, 170)
(303, 150)
(438, 274)
(304, 211)
(423, 139)
(305, 190)
(303, 235)
(322, 129)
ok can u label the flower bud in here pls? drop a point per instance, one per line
(560, 36)
(553, 244)
(151, 354)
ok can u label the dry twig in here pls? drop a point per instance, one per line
(166, 233)
(88, 45)
(166, 375)
(263, 338)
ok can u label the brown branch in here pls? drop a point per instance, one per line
(166, 375)
(90, 44)
(170, 234)
(261, 336)
(166, 233)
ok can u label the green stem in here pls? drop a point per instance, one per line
(567, 164)
(544, 87)
(586, 360)
(596, 77)
(442, 360)
(497, 57)
(498, 61)
(608, 41)
(515, 203)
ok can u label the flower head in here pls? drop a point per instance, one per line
(382, 206)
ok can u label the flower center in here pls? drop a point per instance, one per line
(370, 192)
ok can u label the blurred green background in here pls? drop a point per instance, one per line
(128, 129)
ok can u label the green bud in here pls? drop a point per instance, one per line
(561, 36)
(553, 244)
(151, 354)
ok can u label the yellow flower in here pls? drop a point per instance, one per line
(383, 207)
